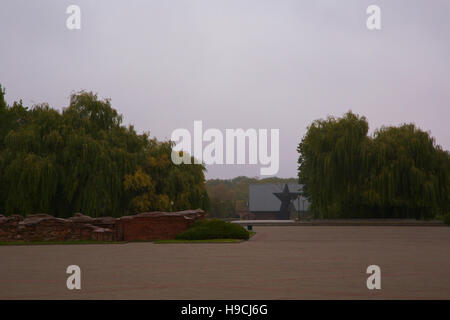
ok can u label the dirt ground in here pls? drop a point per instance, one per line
(279, 262)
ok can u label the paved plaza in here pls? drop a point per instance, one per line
(279, 262)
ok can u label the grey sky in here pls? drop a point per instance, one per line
(235, 63)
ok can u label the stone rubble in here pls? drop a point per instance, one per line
(79, 227)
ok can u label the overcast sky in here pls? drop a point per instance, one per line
(235, 63)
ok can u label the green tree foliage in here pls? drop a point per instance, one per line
(408, 174)
(84, 160)
(160, 185)
(398, 173)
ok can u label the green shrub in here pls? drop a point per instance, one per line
(214, 229)
(447, 219)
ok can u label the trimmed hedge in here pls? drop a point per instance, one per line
(447, 219)
(214, 229)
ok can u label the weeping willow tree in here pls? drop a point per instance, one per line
(398, 173)
(158, 184)
(330, 165)
(409, 175)
(80, 159)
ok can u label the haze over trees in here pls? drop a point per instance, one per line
(399, 172)
(84, 160)
(227, 197)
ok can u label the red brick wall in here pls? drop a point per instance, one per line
(143, 226)
(147, 228)
(42, 227)
(157, 225)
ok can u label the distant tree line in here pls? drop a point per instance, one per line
(84, 160)
(398, 172)
(229, 196)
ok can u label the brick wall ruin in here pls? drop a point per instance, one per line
(143, 226)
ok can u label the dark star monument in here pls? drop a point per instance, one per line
(286, 198)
